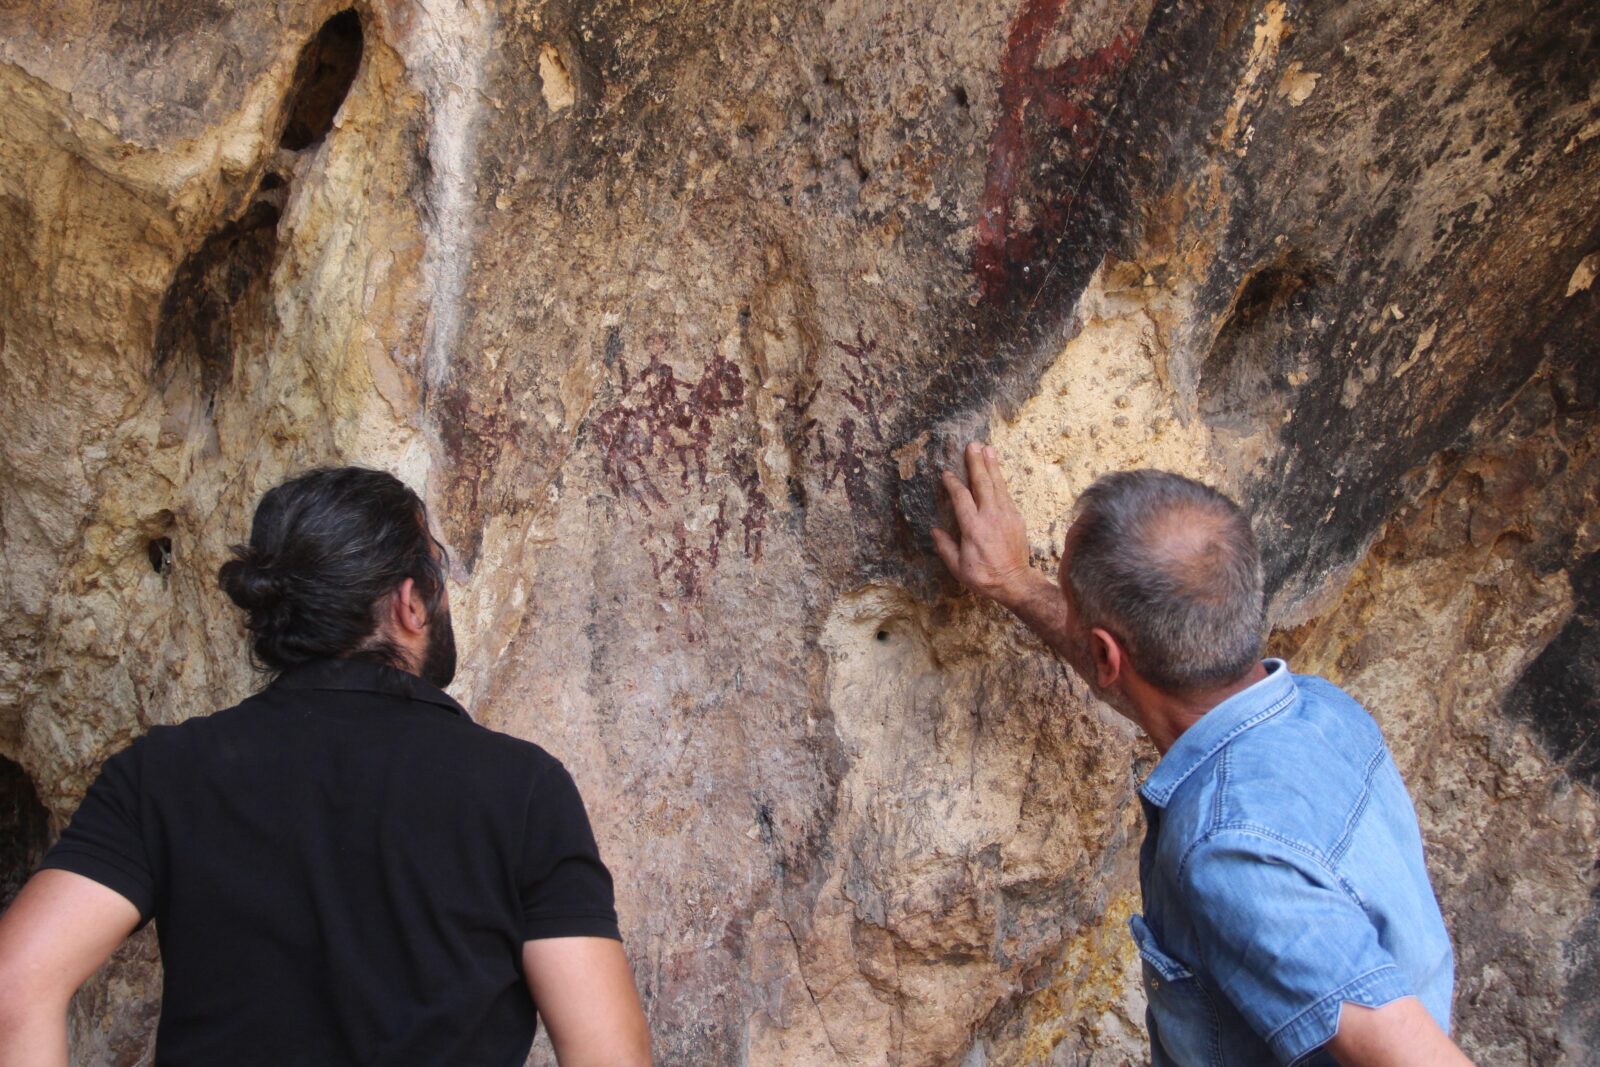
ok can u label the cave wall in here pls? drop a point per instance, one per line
(672, 310)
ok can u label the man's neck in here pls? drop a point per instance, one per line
(1165, 716)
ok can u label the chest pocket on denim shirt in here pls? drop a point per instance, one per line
(1181, 1018)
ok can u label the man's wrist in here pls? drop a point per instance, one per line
(1025, 587)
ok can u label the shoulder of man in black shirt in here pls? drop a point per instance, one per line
(331, 813)
(343, 868)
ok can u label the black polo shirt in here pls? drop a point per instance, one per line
(343, 869)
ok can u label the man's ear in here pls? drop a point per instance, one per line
(408, 609)
(1108, 659)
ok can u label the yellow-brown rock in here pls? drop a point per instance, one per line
(672, 310)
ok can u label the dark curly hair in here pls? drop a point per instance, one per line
(325, 548)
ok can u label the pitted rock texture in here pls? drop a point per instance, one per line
(674, 310)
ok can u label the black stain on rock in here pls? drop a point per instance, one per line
(213, 298)
(1142, 106)
(1579, 1028)
(1358, 348)
(1407, 346)
(1559, 694)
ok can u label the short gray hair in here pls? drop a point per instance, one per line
(1169, 566)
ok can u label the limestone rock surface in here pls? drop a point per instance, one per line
(673, 311)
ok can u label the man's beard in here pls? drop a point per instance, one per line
(439, 655)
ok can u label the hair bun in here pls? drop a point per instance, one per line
(252, 582)
(326, 548)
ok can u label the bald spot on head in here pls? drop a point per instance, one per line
(1186, 541)
(1169, 566)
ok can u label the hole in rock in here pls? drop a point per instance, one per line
(160, 552)
(883, 635)
(217, 292)
(327, 69)
(1243, 373)
(1268, 292)
(271, 181)
(24, 829)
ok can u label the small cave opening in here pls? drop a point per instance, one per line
(327, 68)
(220, 291)
(159, 551)
(24, 830)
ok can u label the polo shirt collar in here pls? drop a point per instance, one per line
(1245, 709)
(355, 674)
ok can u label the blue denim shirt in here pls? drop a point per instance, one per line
(1282, 874)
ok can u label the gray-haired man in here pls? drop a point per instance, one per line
(1288, 914)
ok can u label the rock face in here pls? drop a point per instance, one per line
(673, 310)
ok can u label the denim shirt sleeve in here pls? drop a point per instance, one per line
(1284, 939)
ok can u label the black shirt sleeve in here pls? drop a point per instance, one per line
(105, 840)
(566, 889)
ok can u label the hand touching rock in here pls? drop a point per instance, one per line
(989, 553)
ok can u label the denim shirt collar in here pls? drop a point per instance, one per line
(345, 673)
(1246, 708)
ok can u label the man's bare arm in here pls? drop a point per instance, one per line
(585, 994)
(61, 927)
(989, 552)
(1399, 1034)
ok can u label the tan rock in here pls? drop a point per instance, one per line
(674, 312)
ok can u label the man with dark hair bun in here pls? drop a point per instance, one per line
(344, 868)
(1288, 917)
(325, 550)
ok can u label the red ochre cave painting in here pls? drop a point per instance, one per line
(662, 418)
(660, 448)
(662, 432)
(1063, 94)
(840, 454)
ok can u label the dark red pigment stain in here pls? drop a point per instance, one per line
(662, 418)
(662, 430)
(842, 452)
(477, 435)
(754, 522)
(687, 564)
(659, 447)
(1064, 97)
